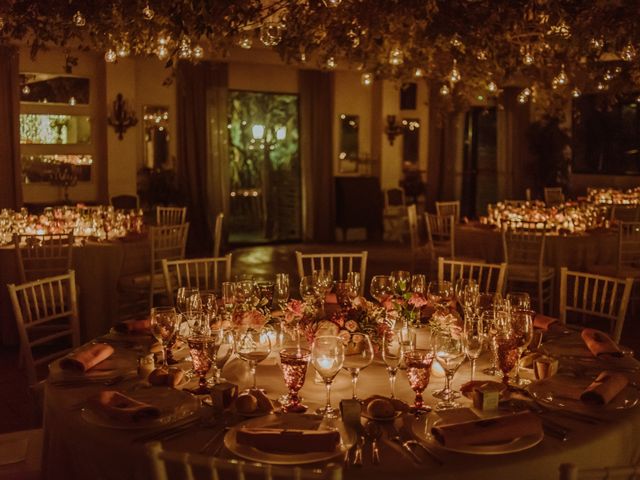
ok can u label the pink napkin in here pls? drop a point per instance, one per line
(543, 322)
(604, 388)
(599, 343)
(86, 358)
(120, 407)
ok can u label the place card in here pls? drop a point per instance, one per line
(486, 397)
(223, 395)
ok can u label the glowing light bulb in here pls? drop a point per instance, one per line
(575, 93)
(123, 50)
(184, 50)
(164, 39)
(198, 52)
(482, 55)
(444, 90)
(147, 12)
(528, 58)
(396, 57)
(245, 41)
(455, 76)
(72, 101)
(78, 19)
(26, 90)
(110, 56)
(418, 72)
(562, 77)
(331, 63)
(366, 79)
(628, 52)
(162, 52)
(331, 3)
(492, 87)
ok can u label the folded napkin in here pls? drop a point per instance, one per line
(279, 440)
(87, 357)
(604, 388)
(488, 431)
(599, 343)
(133, 326)
(543, 322)
(120, 407)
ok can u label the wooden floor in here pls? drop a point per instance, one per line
(262, 262)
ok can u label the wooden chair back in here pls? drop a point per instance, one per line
(414, 234)
(171, 215)
(46, 311)
(444, 209)
(40, 256)
(394, 197)
(338, 263)
(167, 243)
(489, 276)
(595, 296)
(200, 273)
(524, 247)
(625, 213)
(628, 245)
(569, 471)
(441, 231)
(185, 465)
(125, 202)
(553, 196)
(217, 234)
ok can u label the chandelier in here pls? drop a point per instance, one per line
(466, 49)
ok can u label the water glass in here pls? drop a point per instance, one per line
(221, 346)
(164, 322)
(392, 355)
(281, 289)
(418, 363)
(440, 293)
(294, 362)
(381, 287)
(200, 352)
(253, 346)
(449, 353)
(419, 284)
(327, 357)
(473, 339)
(401, 282)
(356, 282)
(358, 355)
(183, 299)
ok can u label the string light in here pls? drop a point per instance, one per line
(331, 3)
(123, 50)
(524, 95)
(366, 79)
(78, 19)
(110, 56)
(418, 73)
(628, 52)
(184, 50)
(444, 90)
(148, 13)
(271, 33)
(26, 90)
(575, 93)
(492, 87)
(454, 75)
(198, 52)
(482, 55)
(162, 52)
(245, 41)
(331, 63)
(396, 57)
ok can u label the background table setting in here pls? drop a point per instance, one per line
(561, 405)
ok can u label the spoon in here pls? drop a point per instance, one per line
(374, 432)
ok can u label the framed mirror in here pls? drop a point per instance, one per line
(349, 143)
(156, 136)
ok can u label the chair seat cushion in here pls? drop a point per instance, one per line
(528, 273)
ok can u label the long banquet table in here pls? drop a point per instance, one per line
(77, 449)
(98, 266)
(578, 251)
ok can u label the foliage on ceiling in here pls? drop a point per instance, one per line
(551, 49)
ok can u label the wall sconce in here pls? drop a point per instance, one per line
(121, 118)
(392, 129)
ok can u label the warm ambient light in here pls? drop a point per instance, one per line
(257, 131)
(281, 133)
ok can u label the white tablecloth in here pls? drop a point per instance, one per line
(76, 449)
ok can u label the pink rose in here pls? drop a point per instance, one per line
(351, 325)
(359, 302)
(417, 301)
(251, 319)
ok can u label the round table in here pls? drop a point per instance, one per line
(577, 252)
(98, 267)
(76, 449)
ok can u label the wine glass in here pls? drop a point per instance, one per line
(323, 280)
(418, 363)
(221, 345)
(246, 293)
(419, 284)
(381, 287)
(466, 291)
(507, 348)
(449, 352)
(358, 355)
(356, 282)
(183, 299)
(281, 289)
(309, 290)
(164, 322)
(473, 339)
(200, 351)
(343, 293)
(440, 293)
(519, 301)
(522, 325)
(327, 357)
(294, 362)
(266, 291)
(228, 298)
(209, 302)
(253, 346)
(400, 281)
(392, 355)
(489, 324)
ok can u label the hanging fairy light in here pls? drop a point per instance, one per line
(445, 90)
(482, 55)
(331, 3)
(148, 13)
(602, 86)
(527, 55)
(245, 41)
(184, 49)
(162, 52)
(562, 77)
(366, 79)
(524, 95)
(575, 93)
(454, 75)
(492, 87)
(418, 73)
(331, 63)
(596, 43)
(123, 50)
(198, 52)
(72, 101)
(628, 52)
(110, 56)
(303, 56)
(396, 57)
(78, 19)
(26, 90)
(271, 33)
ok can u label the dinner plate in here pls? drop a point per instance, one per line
(547, 392)
(174, 405)
(293, 421)
(516, 445)
(397, 414)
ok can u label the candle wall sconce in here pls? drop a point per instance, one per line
(121, 118)
(392, 129)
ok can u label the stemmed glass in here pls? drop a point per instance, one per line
(221, 348)
(246, 293)
(184, 304)
(164, 322)
(473, 338)
(489, 324)
(519, 301)
(281, 289)
(358, 355)
(449, 352)
(228, 298)
(507, 345)
(400, 281)
(309, 290)
(344, 293)
(200, 351)
(467, 291)
(418, 363)
(440, 293)
(356, 282)
(253, 346)
(419, 284)
(294, 362)
(392, 355)
(522, 325)
(381, 287)
(323, 280)
(327, 357)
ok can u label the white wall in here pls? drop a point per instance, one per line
(263, 78)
